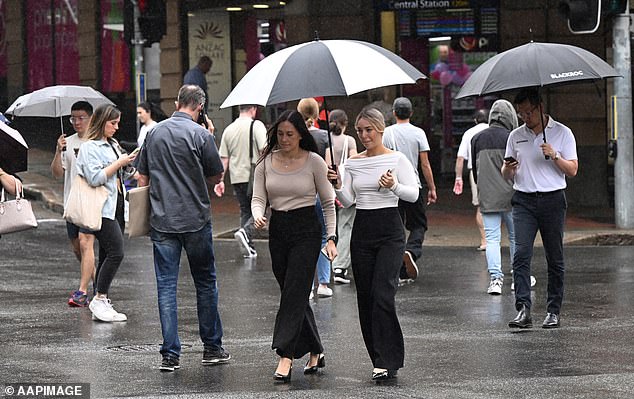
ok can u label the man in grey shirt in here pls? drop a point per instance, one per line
(180, 162)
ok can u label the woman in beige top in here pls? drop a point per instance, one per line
(288, 175)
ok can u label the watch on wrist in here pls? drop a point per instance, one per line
(333, 239)
(556, 157)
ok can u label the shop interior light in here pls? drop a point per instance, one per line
(440, 39)
(233, 8)
(282, 3)
(260, 6)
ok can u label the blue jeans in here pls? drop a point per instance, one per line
(323, 263)
(493, 231)
(545, 212)
(200, 254)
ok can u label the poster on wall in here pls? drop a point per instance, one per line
(42, 54)
(209, 35)
(115, 54)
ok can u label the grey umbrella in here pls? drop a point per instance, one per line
(536, 64)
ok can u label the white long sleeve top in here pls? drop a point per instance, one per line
(361, 181)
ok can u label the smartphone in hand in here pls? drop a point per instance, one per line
(323, 251)
(510, 159)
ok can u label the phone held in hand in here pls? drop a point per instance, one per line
(510, 159)
(323, 251)
(202, 120)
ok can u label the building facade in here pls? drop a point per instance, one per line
(44, 43)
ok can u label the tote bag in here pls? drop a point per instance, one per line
(16, 215)
(139, 221)
(85, 203)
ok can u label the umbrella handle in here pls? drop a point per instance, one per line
(332, 154)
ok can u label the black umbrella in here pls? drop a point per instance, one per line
(536, 65)
(13, 150)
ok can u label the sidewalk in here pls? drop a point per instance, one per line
(451, 221)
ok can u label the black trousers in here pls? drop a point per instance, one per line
(295, 242)
(376, 247)
(110, 239)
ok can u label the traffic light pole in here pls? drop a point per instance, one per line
(138, 54)
(624, 162)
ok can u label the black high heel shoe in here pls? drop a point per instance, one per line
(321, 362)
(278, 377)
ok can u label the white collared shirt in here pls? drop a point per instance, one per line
(535, 173)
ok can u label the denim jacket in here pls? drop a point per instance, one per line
(94, 156)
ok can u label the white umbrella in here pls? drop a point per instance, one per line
(55, 101)
(321, 68)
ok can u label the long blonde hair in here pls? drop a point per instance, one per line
(102, 115)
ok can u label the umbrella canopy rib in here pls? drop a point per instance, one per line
(319, 68)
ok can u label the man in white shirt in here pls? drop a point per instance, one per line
(412, 142)
(63, 164)
(480, 117)
(234, 153)
(539, 162)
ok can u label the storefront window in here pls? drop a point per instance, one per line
(115, 53)
(52, 51)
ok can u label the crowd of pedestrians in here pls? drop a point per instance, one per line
(325, 221)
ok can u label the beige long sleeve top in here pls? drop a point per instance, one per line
(286, 191)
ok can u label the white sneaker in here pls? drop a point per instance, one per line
(243, 243)
(102, 310)
(495, 287)
(324, 291)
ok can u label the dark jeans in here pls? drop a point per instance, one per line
(246, 218)
(294, 242)
(415, 221)
(546, 213)
(377, 255)
(200, 254)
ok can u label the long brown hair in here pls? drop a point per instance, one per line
(102, 115)
(306, 142)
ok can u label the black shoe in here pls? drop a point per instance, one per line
(283, 378)
(551, 321)
(523, 319)
(215, 356)
(321, 363)
(341, 276)
(410, 265)
(169, 363)
(384, 375)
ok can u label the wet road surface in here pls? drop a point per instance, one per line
(457, 341)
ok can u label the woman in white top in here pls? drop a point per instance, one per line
(288, 175)
(376, 179)
(344, 147)
(148, 118)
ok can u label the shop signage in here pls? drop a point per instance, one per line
(401, 5)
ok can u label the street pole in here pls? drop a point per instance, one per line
(138, 55)
(623, 164)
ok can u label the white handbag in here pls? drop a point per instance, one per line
(16, 215)
(85, 203)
